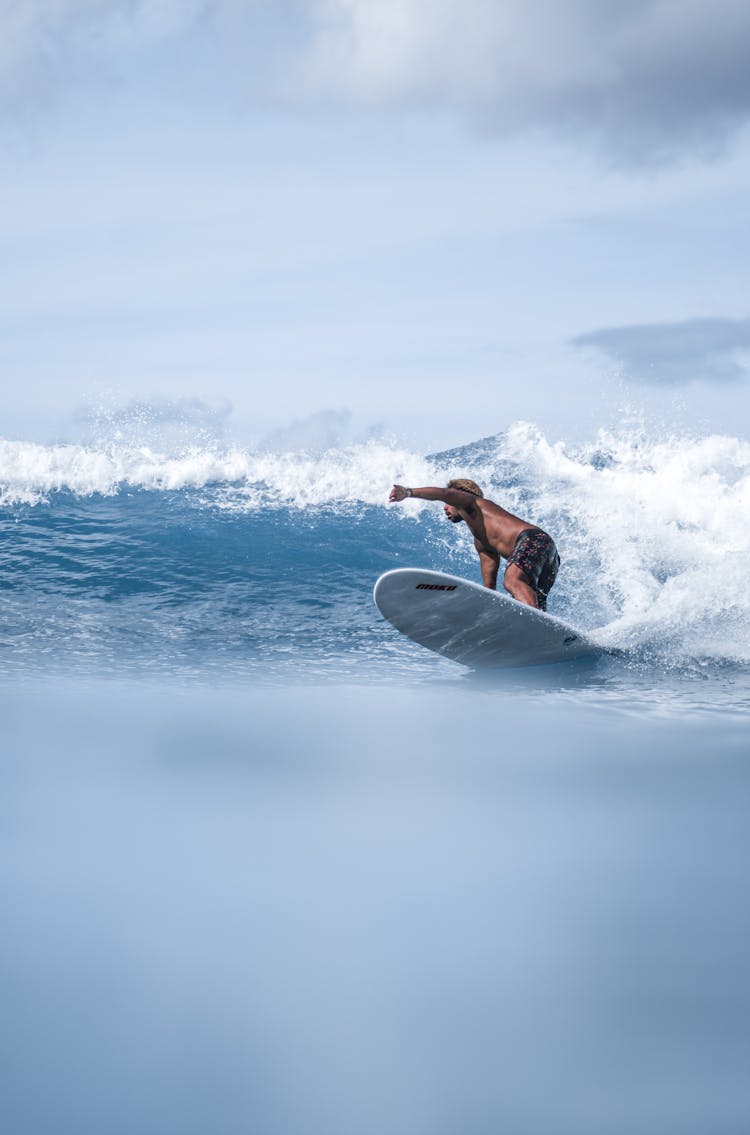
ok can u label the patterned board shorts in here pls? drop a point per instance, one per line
(536, 555)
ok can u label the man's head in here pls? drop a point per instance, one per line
(466, 486)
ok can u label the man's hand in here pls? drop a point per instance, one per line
(398, 493)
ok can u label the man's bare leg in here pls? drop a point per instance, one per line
(514, 581)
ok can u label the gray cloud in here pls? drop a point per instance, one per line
(708, 350)
(648, 80)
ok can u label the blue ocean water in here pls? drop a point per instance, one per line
(265, 865)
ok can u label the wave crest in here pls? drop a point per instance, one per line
(30, 473)
(654, 534)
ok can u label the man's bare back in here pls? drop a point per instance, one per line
(494, 528)
(497, 533)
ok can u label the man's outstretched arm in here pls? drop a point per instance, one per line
(457, 497)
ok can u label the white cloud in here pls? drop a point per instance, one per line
(320, 431)
(325, 429)
(162, 423)
(648, 80)
(35, 34)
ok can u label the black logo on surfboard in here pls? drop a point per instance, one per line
(436, 586)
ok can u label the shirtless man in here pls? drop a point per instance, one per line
(531, 554)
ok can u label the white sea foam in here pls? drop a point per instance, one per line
(29, 473)
(655, 533)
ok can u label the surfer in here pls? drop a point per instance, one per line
(531, 553)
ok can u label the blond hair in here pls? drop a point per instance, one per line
(466, 485)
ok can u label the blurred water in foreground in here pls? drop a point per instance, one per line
(406, 910)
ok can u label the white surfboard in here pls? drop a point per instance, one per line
(472, 624)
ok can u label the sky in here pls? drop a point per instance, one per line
(306, 222)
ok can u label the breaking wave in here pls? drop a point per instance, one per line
(654, 532)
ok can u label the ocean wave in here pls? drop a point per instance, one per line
(654, 532)
(30, 473)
